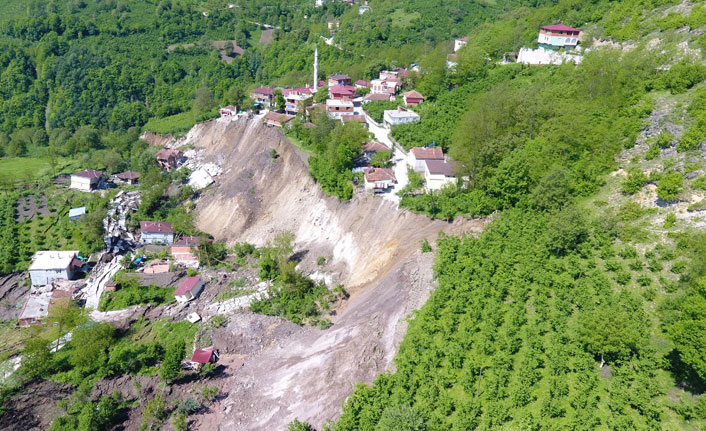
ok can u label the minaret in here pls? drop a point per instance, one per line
(316, 69)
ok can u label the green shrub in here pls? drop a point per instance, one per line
(321, 261)
(218, 320)
(670, 186)
(209, 393)
(631, 211)
(628, 252)
(426, 247)
(669, 220)
(633, 182)
(622, 277)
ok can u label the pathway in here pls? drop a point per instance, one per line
(399, 157)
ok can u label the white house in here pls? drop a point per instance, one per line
(438, 173)
(228, 111)
(394, 117)
(558, 36)
(379, 179)
(383, 86)
(363, 8)
(76, 213)
(190, 288)
(157, 232)
(460, 43)
(50, 265)
(337, 108)
(87, 180)
(418, 156)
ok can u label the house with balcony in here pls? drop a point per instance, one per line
(383, 86)
(156, 232)
(336, 108)
(413, 98)
(294, 99)
(395, 117)
(263, 97)
(558, 36)
(341, 92)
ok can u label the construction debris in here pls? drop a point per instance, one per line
(117, 237)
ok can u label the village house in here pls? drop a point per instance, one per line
(337, 108)
(339, 79)
(370, 148)
(390, 75)
(333, 25)
(169, 158)
(363, 8)
(263, 97)
(294, 99)
(50, 265)
(188, 241)
(87, 180)
(413, 98)
(558, 36)
(460, 43)
(361, 83)
(36, 309)
(276, 119)
(76, 213)
(438, 173)
(394, 117)
(228, 111)
(189, 289)
(379, 179)
(156, 232)
(383, 86)
(128, 177)
(202, 357)
(418, 156)
(370, 97)
(341, 92)
(184, 256)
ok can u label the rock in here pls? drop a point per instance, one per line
(691, 175)
(669, 152)
(702, 145)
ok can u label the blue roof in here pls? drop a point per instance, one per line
(73, 212)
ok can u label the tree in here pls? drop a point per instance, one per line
(66, 315)
(553, 190)
(297, 425)
(203, 102)
(400, 417)
(90, 344)
(381, 159)
(36, 358)
(566, 230)
(670, 186)
(633, 182)
(279, 100)
(171, 366)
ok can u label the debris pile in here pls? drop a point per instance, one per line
(203, 174)
(117, 237)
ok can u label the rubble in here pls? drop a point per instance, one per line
(117, 237)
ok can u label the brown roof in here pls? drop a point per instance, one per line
(339, 77)
(441, 167)
(166, 153)
(282, 119)
(129, 175)
(374, 147)
(413, 95)
(379, 174)
(375, 97)
(187, 285)
(264, 90)
(428, 153)
(156, 227)
(89, 173)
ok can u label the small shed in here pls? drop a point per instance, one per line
(202, 357)
(190, 288)
(76, 213)
(128, 177)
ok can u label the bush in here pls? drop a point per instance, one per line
(669, 220)
(296, 425)
(631, 211)
(218, 320)
(633, 182)
(670, 187)
(209, 393)
(188, 406)
(321, 261)
(426, 247)
(171, 366)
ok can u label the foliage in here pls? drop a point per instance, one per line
(209, 393)
(154, 413)
(297, 425)
(127, 295)
(426, 247)
(670, 186)
(171, 366)
(633, 182)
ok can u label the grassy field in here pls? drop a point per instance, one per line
(27, 168)
(178, 123)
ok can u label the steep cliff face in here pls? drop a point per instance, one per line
(372, 247)
(258, 196)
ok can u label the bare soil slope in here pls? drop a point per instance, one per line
(372, 248)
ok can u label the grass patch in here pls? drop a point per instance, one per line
(177, 123)
(232, 293)
(135, 295)
(28, 168)
(403, 19)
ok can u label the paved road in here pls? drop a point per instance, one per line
(382, 134)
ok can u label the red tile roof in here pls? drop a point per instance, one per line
(413, 95)
(339, 77)
(559, 27)
(264, 90)
(463, 39)
(156, 227)
(379, 174)
(428, 153)
(187, 285)
(129, 175)
(166, 153)
(342, 89)
(202, 356)
(374, 147)
(89, 173)
(362, 83)
(377, 97)
(441, 167)
(187, 240)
